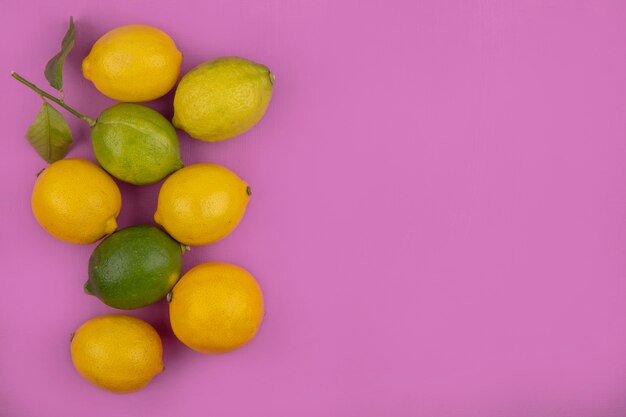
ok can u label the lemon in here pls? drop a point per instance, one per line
(136, 144)
(216, 307)
(76, 201)
(133, 63)
(222, 98)
(201, 203)
(116, 352)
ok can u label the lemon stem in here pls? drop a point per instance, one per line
(60, 102)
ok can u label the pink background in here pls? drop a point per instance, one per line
(438, 219)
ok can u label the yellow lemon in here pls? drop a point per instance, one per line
(222, 98)
(201, 203)
(76, 201)
(133, 63)
(216, 307)
(116, 352)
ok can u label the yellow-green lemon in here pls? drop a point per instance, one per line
(202, 203)
(222, 98)
(216, 307)
(133, 63)
(76, 201)
(116, 352)
(136, 144)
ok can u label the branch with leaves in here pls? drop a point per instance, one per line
(49, 134)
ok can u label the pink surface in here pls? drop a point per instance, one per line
(438, 219)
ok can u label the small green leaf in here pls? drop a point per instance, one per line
(54, 68)
(50, 134)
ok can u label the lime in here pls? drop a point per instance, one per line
(222, 98)
(134, 267)
(136, 144)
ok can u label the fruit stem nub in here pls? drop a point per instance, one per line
(60, 102)
(87, 288)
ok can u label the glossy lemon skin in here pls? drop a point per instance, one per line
(202, 203)
(216, 307)
(116, 352)
(76, 201)
(133, 63)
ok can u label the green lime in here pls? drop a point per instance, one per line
(136, 144)
(134, 267)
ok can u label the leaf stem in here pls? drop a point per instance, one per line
(61, 103)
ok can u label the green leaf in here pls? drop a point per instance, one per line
(50, 134)
(54, 68)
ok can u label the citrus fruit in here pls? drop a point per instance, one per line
(134, 267)
(222, 98)
(136, 144)
(216, 307)
(76, 201)
(116, 352)
(201, 203)
(133, 63)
